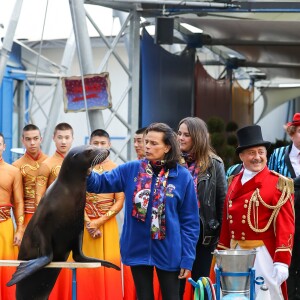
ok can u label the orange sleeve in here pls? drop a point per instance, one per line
(17, 199)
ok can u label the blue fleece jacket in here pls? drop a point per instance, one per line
(177, 250)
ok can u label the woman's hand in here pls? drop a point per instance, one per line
(18, 237)
(184, 273)
(93, 230)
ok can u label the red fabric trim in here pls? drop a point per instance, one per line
(60, 154)
(38, 156)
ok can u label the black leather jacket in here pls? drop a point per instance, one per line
(212, 189)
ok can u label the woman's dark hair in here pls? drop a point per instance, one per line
(202, 148)
(170, 139)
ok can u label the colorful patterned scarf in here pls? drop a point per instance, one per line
(141, 197)
(188, 161)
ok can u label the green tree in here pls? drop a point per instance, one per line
(223, 139)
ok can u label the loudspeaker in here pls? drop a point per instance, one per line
(164, 30)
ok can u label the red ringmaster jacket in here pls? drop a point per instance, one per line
(250, 213)
(260, 210)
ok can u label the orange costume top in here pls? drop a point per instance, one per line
(258, 213)
(11, 195)
(11, 189)
(29, 169)
(47, 173)
(102, 283)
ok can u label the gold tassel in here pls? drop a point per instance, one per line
(285, 182)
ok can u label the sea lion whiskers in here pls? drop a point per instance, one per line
(98, 159)
(95, 161)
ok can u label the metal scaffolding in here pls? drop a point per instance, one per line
(42, 72)
(80, 42)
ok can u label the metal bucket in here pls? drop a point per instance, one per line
(235, 261)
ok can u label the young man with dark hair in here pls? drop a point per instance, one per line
(139, 142)
(63, 139)
(101, 234)
(29, 165)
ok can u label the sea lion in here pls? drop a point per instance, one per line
(56, 228)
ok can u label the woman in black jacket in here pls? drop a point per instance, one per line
(207, 170)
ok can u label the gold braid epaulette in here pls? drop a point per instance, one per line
(284, 182)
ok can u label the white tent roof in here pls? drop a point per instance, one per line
(268, 28)
(57, 16)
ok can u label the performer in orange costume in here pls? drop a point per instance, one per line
(47, 173)
(101, 236)
(11, 196)
(258, 212)
(49, 169)
(29, 165)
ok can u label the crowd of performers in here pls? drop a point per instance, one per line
(176, 205)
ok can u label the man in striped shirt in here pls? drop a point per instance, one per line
(286, 161)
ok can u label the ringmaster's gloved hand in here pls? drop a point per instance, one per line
(280, 272)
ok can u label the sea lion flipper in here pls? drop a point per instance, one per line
(80, 257)
(108, 264)
(27, 268)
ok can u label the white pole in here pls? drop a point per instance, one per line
(9, 37)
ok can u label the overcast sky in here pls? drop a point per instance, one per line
(58, 19)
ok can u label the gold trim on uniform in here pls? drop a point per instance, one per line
(41, 180)
(29, 181)
(246, 244)
(55, 171)
(284, 250)
(286, 186)
(97, 206)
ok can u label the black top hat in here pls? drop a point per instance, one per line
(250, 136)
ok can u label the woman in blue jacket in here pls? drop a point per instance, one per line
(161, 221)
